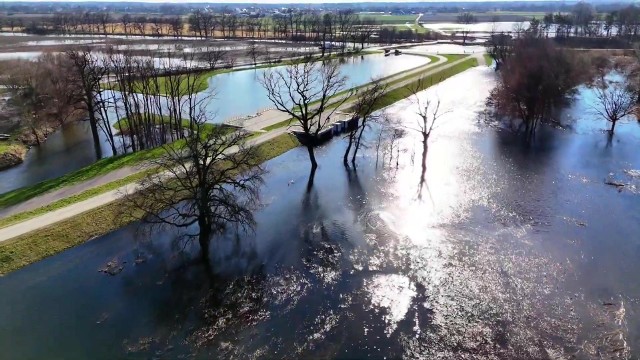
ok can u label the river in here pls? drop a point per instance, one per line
(508, 251)
(233, 94)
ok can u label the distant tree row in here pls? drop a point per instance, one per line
(337, 28)
(584, 21)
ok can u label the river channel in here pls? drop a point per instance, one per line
(506, 252)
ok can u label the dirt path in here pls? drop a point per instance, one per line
(52, 217)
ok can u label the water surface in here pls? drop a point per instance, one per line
(507, 251)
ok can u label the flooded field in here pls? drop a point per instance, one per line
(484, 27)
(505, 252)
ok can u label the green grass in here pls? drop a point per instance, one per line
(122, 125)
(488, 59)
(26, 215)
(450, 58)
(278, 125)
(390, 19)
(101, 167)
(419, 29)
(404, 92)
(198, 82)
(454, 57)
(42, 243)
(12, 146)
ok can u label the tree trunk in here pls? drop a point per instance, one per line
(345, 158)
(204, 237)
(312, 157)
(95, 134)
(425, 149)
(613, 126)
(358, 141)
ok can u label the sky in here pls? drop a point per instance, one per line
(261, 1)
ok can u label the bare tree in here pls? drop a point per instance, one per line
(615, 102)
(294, 88)
(384, 130)
(429, 113)
(211, 180)
(389, 132)
(365, 104)
(534, 79)
(89, 71)
(214, 55)
(44, 91)
(253, 52)
(126, 21)
(466, 18)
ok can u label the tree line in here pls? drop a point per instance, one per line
(154, 96)
(337, 27)
(536, 78)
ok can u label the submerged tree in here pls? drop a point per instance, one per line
(615, 102)
(44, 91)
(429, 113)
(89, 70)
(466, 18)
(536, 77)
(303, 91)
(389, 132)
(207, 184)
(365, 104)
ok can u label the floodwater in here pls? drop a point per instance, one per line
(239, 93)
(236, 93)
(507, 252)
(449, 49)
(66, 150)
(504, 26)
(24, 55)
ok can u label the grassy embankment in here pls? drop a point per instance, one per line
(11, 153)
(122, 125)
(431, 58)
(39, 244)
(101, 167)
(488, 59)
(424, 82)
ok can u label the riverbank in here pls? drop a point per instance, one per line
(11, 154)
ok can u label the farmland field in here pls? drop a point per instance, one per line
(391, 19)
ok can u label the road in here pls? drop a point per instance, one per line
(72, 210)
